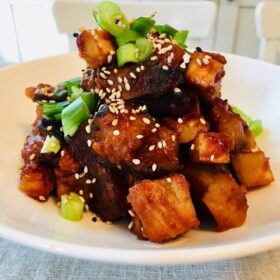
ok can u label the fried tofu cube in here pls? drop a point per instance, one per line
(95, 47)
(214, 187)
(205, 71)
(252, 168)
(164, 207)
(211, 147)
(187, 128)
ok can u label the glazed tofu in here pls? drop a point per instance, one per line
(187, 128)
(227, 122)
(95, 47)
(205, 71)
(164, 207)
(214, 187)
(211, 147)
(252, 168)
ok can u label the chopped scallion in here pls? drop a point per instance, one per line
(166, 29)
(51, 109)
(180, 37)
(126, 37)
(143, 25)
(126, 53)
(145, 49)
(51, 145)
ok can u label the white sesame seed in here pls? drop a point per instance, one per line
(81, 192)
(89, 143)
(192, 147)
(115, 122)
(146, 121)
(159, 144)
(62, 153)
(116, 132)
(154, 130)
(205, 61)
(132, 75)
(130, 225)
(177, 90)
(131, 213)
(138, 70)
(32, 157)
(86, 207)
(153, 58)
(139, 136)
(107, 72)
(112, 109)
(42, 198)
(198, 61)
(142, 67)
(116, 71)
(157, 125)
(77, 176)
(207, 56)
(90, 195)
(152, 147)
(154, 167)
(132, 118)
(183, 65)
(180, 120)
(173, 137)
(165, 67)
(88, 181)
(112, 52)
(102, 75)
(127, 86)
(49, 127)
(202, 121)
(136, 161)
(169, 180)
(109, 58)
(212, 157)
(163, 143)
(110, 82)
(88, 129)
(82, 199)
(93, 180)
(119, 79)
(86, 169)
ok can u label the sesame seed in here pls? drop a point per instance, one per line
(107, 72)
(32, 157)
(139, 136)
(109, 58)
(183, 65)
(136, 161)
(132, 75)
(166, 49)
(42, 198)
(77, 176)
(125, 80)
(146, 121)
(152, 147)
(86, 169)
(154, 130)
(205, 61)
(49, 127)
(159, 144)
(88, 181)
(153, 58)
(154, 167)
(177, 90)
(116, 132)
(132, 118)
(62, 153)
(138, 70)
(157, 125)
(212, 157)
(87, 129)
(102, 75)
(115, 122)
(119, 79)
(142, 67)
(163, 143)
(192, 147)
(112, 109)
(180, 120)
(112, 52)
(207, 56)
(165, 67)
(86, 207)
(81, 192)
(173, 137)
(89, 143)
(120, 88)
(127, 86)
(108, 90)
(82, 199)
(198, 61)
(131, 213)
(202, 121)
(130, 225)
(116, 71)
(110, 82)
(93, 180)
(169, 180)
(90, 195)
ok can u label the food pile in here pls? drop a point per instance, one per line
(143, 134)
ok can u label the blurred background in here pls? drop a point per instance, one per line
(32, 29)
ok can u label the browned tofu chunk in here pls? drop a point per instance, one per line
(164, 207)
(215, 188)
(187, 128)
(225, 121)
(95, 47)
(205, 71)
(211, 147)
(252, 168)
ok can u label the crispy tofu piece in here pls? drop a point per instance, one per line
(225, 121)
(95, 47)
(164, 207)
(205, 71)
(214, 187)
(187, 128)
(252, 168)
(211, 147)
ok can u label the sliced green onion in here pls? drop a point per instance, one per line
(254, 125)
(126, 53)
(145, 49)
(89, 100)
(126, 37)
(73, 115)
(76, 92)
(60, 94)
(57, 117)
(143, 25)
(111, 18)
(180, 37)
(51, 145)
(51, 109)
(72, 207)
(166, 29)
